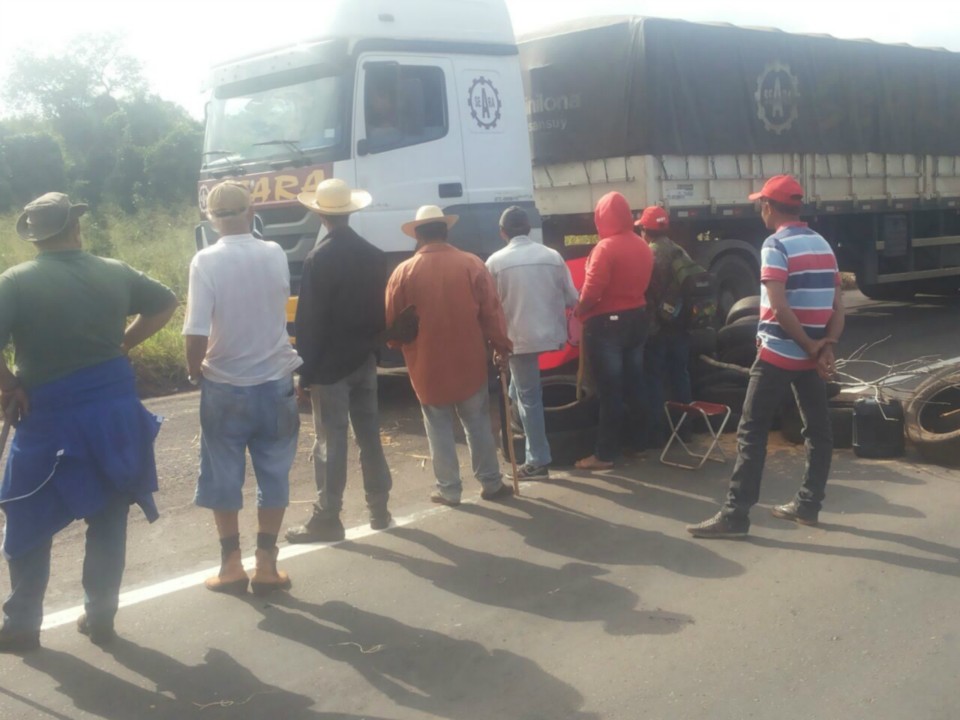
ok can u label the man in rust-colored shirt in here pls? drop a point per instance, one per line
(460, 315)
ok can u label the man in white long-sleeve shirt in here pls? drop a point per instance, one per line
(535, 290)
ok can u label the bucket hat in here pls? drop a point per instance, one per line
(47, 216)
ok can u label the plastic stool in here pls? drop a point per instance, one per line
(706, 410)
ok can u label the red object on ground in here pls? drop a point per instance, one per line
(569, 353)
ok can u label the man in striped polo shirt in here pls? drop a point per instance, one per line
(801, 319)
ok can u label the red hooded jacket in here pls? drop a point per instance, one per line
(619, 267)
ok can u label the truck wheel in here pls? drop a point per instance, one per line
(736, 278)
(893, 292)
(744, 307)
(933, 419)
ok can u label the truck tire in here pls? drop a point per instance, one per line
(933, 420)
(737, 277)
(744, 307)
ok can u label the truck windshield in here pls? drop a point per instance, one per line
(305, 114)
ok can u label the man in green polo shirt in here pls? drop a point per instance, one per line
(84, 444)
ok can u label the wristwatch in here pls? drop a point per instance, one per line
(193, 380)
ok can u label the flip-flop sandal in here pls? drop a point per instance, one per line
(592, 463)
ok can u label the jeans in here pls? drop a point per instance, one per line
(667, 375)
(262, 418)
(474, 414)
(766, 390)
(614, 345)
(354, 398)
(527, 394)
(103, 564)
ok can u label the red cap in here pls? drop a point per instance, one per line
(653, 218)
(781, 188)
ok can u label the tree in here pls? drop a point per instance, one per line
(171, 165)
(118, 142)
(55, 85)
(35, 166)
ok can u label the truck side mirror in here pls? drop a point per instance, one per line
(363, 147)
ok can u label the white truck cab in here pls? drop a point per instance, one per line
(416, 102)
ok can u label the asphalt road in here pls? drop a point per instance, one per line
(584, 599)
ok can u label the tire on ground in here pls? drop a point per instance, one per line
(841, 422)
(739, 332)
(743, 354)
(744, 307)
(933, 419)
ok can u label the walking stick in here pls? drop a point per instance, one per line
(511, 450)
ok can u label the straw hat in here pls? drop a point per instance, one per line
(47, 216)
(335, 197)
(427, 215)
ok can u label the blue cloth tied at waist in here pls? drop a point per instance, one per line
(87, 438)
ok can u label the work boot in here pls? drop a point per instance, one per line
(98, 634)
(19, 643)
(266, 577)
(380, 518)
(319, 528)
(504, 492)
(232, 578)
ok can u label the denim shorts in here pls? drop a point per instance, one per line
(260, 418)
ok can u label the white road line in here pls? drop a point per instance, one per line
(152, 592)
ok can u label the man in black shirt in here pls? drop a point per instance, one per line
(339, 327)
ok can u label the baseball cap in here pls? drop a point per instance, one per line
(228, 198)
(47, 216)
(653, 218)
(781, 188)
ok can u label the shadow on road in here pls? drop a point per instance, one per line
(219, 688)
(556, 528)
(423, 669)
(571, 593)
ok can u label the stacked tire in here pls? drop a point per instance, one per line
(736, 344)
(571, 422)
(841, 419)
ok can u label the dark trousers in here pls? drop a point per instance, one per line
(353, 398)
(667, 376)
(103, 564)
(767, 388)
(614, 345)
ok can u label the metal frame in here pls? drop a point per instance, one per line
(687, 409)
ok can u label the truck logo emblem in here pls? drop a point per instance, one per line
(484, 102)
(777, 96)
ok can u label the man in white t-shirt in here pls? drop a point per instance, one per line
(239, 353)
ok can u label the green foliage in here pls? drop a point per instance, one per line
(114, 142)
(158, 241)
(33, 165)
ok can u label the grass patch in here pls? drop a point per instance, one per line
(157, 241)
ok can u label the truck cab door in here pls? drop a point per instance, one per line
(408, 143)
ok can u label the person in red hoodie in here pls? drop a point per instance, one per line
(613, 308)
